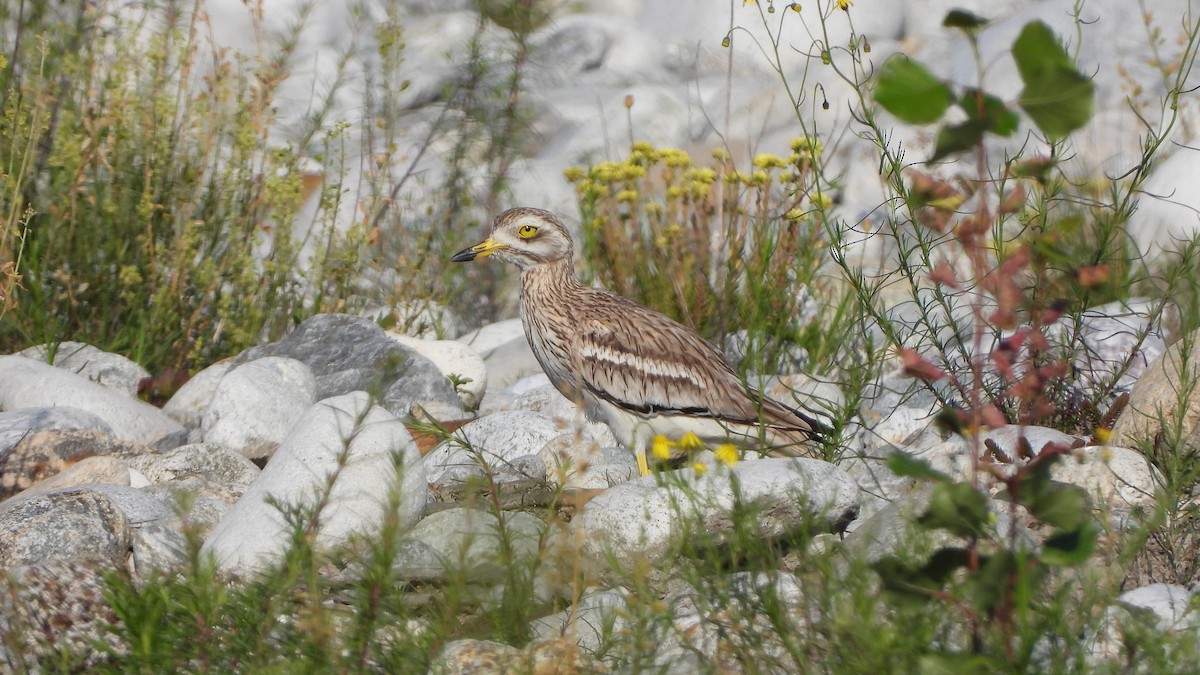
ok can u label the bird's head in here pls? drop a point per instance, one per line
(524, 237)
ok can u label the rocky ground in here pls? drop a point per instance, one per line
(91, 475)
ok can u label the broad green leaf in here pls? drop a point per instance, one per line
(990, 112)
(920, 581)
(954, 138)
(1057, 97)
(906, 89)
(957, 508)
(904, 464)
(962, 19)
(1071, 547)
(1061, 506)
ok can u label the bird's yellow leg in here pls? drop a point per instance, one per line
(643, 465)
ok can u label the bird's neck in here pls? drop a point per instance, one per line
(555, 279)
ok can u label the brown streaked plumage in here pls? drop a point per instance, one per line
(629, 366)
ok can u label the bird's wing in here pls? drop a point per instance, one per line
(646, 363)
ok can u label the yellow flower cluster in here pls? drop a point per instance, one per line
(621, 181)
(769, 161)
(806, 147)
(661, 448)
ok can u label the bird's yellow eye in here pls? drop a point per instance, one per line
(526, 231)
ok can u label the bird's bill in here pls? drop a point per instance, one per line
(480, 250)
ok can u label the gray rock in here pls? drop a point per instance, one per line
(568, 48)
(419, 561)
(573, 460)
(372, 455)
(469, 657)
(257, 404)
(73, 525)
(896, 410)
(494, 441)
(597, 619)
(468, 540)
(547, 400)
(1118, 479)
(42, 454)
(1166, 213)
(25, 383)
(188, 404)
(1013, 440)
(734, 624)
(1154, 401)
(1165, 608)
(1169, 605)
(111, 370)
(453, 359)
(210, 463)
(487, 339)
(642, 520)
(157, 547)
(98, 469)
(509, 362)
(138, 506)
(464, 657)
(349, 354)
(16, 424)
(54, 606)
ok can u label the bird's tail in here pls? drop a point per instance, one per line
(792, 432)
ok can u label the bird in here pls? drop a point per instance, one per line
(642, 373)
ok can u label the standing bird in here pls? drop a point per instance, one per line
(629, 366)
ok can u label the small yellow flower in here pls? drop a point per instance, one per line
(629, 171)
(726, 452)
(1103, 436)
(627, 196)
(690, 441)
(761, 178)
(674, 157)
(643, 146)
(604, 171)
(769, 161)
(574, 173)
(794, 214)
(698, 467)
(822, 201)
(807, 145)
(660, 447)
(844, 5)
